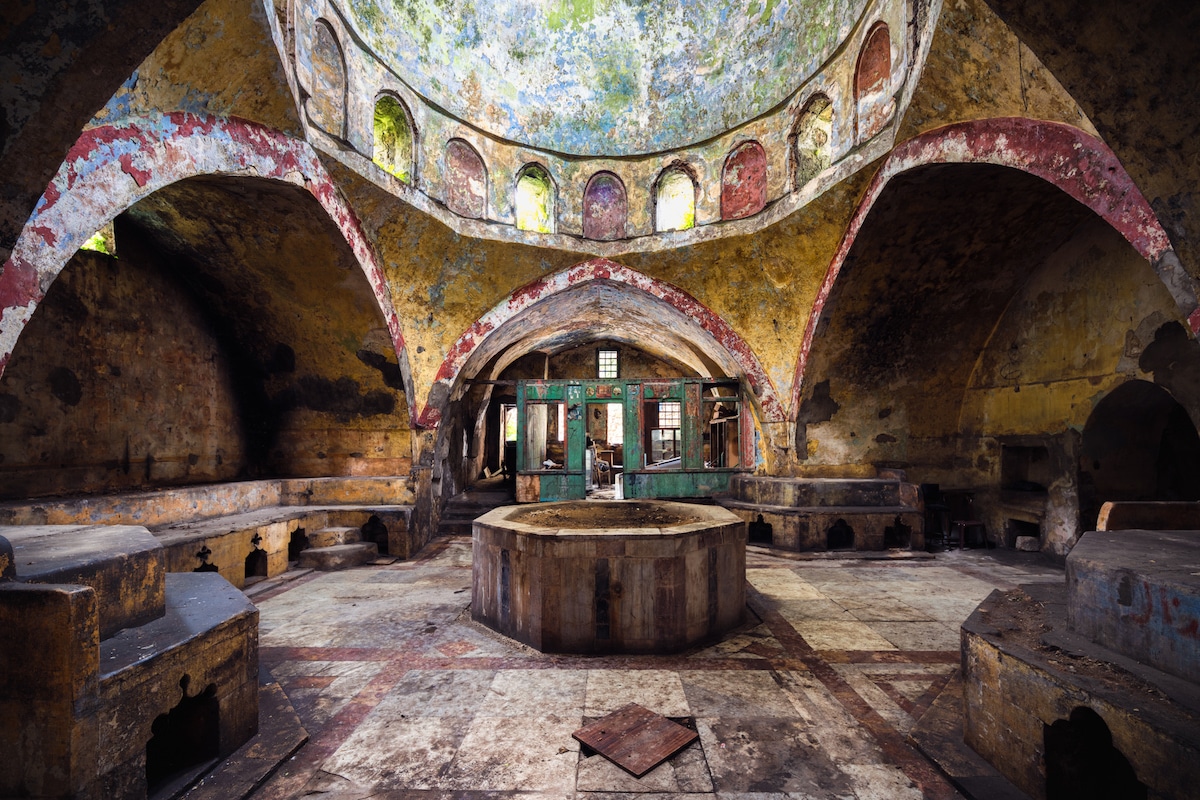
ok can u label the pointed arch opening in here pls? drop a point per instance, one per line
(744, 181)
(394, 138)
(812, 140)
(327, 106)
(466, 180)
(534, 200)
(675, 200)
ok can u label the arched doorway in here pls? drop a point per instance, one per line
(1138, 444)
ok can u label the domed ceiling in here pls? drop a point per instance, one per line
(604, 77)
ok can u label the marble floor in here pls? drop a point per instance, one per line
(404, 696)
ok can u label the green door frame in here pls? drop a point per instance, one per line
(691, 479)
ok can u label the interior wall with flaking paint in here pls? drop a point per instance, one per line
(580, 362)
(220, 62)
(324, 388)
(118, 382)
(246, 343)
(977, 68)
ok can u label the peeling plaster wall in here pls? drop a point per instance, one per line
(326, 394)
(221, 61)
(118, 382)
(977, 68)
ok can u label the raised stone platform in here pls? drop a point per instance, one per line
(339, 556)
(103, 654)
(829, 513)
(609, 577)
(224, 525)
(1023, 671)
(1138, 593)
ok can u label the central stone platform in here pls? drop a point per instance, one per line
(609, 577)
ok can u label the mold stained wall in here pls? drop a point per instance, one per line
(1076, 331)
(220, 62)
(117, 382)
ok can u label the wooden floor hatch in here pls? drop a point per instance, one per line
(635, 739)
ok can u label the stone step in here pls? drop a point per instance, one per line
(327, 537)
(451, 527)
(339, 556)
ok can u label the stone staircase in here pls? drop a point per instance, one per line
(462, 509)
(337, 547)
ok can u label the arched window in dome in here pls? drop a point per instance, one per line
(744, 181)
(871, 82)
(327, 106)
(604, 207)
(675, 201)
(466, 180)
(393, 137)
(812, 150)
(535, 200)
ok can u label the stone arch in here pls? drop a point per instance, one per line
(744, 181)
(466, 180)
(872, 74)
(112, 167)
(1140, 444)
(394, 137)
(721, 343)
(604, 207)
(534, 199)
(675, 199)
(1078, 164)
(812, 140)
(327, 106)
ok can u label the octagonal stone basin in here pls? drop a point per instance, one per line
(643, 576)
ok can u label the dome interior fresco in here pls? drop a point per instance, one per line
(616, 77)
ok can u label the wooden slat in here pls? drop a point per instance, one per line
(635, 739)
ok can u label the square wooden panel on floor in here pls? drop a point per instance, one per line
(635, 739)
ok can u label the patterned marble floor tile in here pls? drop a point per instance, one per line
(885, 608)
(661, 691)
(530, 692)
(388, 751)
(821, 609)
(768, 755)
(782, 584)
(517, 754)
(406, 697)
(686, 772)
(880, 782)
(438, 693)
(839, 635)
(729, 695)
(919, 635)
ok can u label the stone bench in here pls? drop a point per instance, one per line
(218, 527)
(104, 653)
(805, 513)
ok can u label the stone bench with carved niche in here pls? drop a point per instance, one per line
(242, 529)
(828, 513)
(121, 679)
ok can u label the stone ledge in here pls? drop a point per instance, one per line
(1011, 690)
